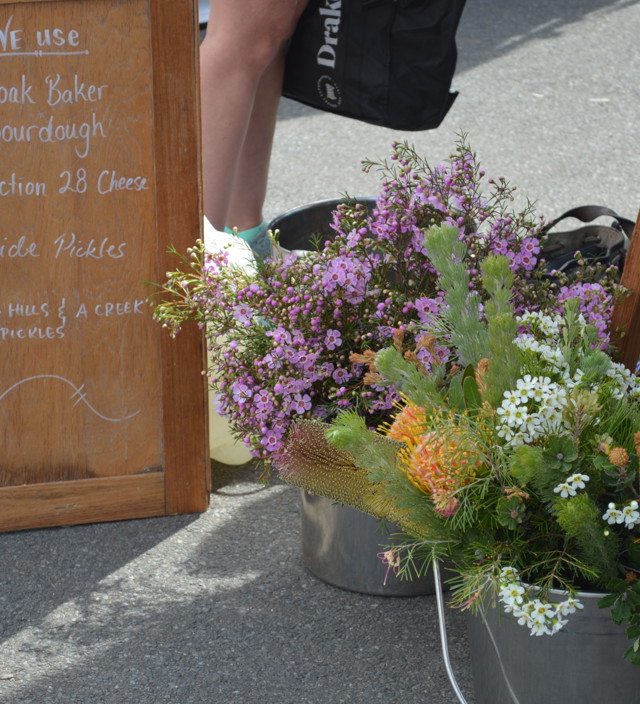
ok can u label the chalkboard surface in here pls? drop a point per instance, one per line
(99, 173)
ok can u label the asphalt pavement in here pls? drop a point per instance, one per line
(217, 607)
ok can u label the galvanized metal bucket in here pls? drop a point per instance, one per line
(340, 546)
(581, 664)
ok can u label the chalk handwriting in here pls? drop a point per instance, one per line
(18, 310)
(28, 310)
(11, 39)
(34, 113)
(37, 332)
(62, 314)
(110, 181)
(119, 308)
(17, 94)
(13, 42)
(74, 183)
(50, 131)
(14, 185)
(57, 37)
(18, 249)
(78, 93)
(70, 245)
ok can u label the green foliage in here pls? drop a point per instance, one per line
(526, 463)
(502, 327)
(463, 320)
(579, 341)
(595, 366)
(508, 463)
(579, 517)
(632, 549)
(536, 466)
(455, 397)
(620, 419)
(349, 433)
(377, 455)
(632, 653)
(469, 333)
(473, 335)
(524, 508)
(624, 602)
(421, 389)
(560, 453)
(176, 301)
(471, 393)
(510, 512)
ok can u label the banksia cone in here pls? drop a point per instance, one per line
(310, 462)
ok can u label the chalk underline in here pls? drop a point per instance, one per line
(39, 52)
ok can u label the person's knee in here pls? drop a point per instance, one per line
(261, 51)
(253, 45)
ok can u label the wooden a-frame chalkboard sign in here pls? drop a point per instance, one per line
(102, 414)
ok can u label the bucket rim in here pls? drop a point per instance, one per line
(564, 592)
(322, 203)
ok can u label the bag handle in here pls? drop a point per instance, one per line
(598, 242)
(587, 213)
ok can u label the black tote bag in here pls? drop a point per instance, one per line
(386, 62)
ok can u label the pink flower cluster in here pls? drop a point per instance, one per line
(281, 342)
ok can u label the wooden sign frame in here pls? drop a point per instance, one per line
(626, 315)
(181, 482)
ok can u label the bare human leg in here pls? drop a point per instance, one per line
(241, 74)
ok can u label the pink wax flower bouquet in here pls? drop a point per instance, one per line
(295, 339)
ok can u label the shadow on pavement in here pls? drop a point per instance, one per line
(45, 568)
(222, 611)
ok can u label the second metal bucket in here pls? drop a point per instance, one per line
(341, 546)
(581, 663)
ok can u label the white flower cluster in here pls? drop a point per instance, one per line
(541, 617)
(548, 325)
(551, 354)
(533, 409)
(548, 328)
(571, 484)
(629, 515)
(545, 342)
(536, 407)
(628, 383)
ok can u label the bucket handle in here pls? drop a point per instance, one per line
(445, 646)
(443, 632)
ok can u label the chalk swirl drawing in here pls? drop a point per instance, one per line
(78, 394)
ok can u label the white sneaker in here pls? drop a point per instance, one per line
(238, 251)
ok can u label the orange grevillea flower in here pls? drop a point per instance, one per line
(409, 424)
(439, 465)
